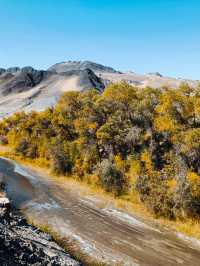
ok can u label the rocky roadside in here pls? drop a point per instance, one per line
(23, 244)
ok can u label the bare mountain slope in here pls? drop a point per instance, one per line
(29, 89)
(81, 65)
(110, 75)
(155, 80)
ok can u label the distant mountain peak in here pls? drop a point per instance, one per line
(80, 65)
(157, 74)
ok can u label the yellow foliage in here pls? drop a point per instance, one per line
(78, 168)
(172, 184)
(135, 168)
(121, 92)
(165, 123)
(194, 180)
(146, 159)
(103, 134)
(191, 139)
(78, 123)
(134, 171)
(147, 135)
(120, 164)
(197, 107)
(92, 126)
(193, 177)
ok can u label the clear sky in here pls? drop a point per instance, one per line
(139, 35)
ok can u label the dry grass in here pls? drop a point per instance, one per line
(188, 227)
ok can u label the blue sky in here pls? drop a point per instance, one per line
(139, 35)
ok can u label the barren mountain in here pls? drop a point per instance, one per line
(155, 80)
(81, 65)
(29, 89)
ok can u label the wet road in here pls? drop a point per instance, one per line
(103, 233)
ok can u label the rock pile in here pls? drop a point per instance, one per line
(22, 244)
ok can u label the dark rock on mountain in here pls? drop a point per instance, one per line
(16, 80)
(87, 76)
(13, 70)
(28, 69)
(30, 89)
(157, 74)
(87, 79)
(2, 70)
(80, 65)
(21, 80)
(18, 83)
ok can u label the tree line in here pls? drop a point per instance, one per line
(127, 140)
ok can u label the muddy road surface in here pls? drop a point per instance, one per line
(105, 233)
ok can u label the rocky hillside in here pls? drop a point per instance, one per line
(16, 80)
(29, 89)
(22, 244)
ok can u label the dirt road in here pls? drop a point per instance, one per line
(105, 233)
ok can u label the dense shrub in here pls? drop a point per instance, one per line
(3, 140)
(112, 179)
(61, 163)
(142, 139)
(26, 148)
(154, 192)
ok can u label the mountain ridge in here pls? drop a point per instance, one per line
(81, 65)
(29, 89)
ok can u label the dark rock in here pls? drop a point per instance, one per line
(2, 70)
(24, 79)
(23, 244)
(88, 76)
(28, 69)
